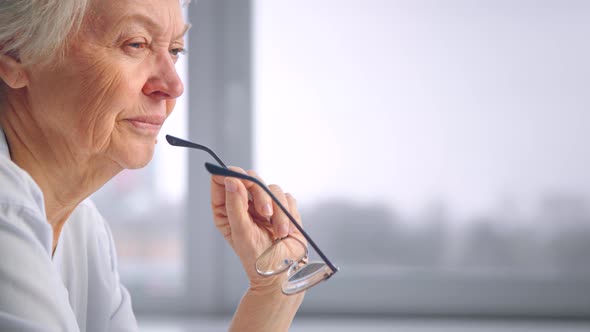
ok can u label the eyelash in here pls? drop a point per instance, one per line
(143, 44)
(175, 52)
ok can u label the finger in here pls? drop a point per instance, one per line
(263, 207)
(280, 221)
(262, 222)
(293, 209)
(257, 217)
(218, 188)
(219, 179)
(236, 204)
(262, 201)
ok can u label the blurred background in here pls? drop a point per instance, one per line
(438, 151)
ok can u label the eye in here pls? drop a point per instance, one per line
(138, 45)
(176, 52)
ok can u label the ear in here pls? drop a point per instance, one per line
(12, 72)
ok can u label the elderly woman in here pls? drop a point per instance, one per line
(85, 88)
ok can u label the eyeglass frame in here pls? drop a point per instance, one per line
(223, 170)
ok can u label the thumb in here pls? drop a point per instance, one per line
(236, 205)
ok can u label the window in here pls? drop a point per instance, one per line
(437, 149)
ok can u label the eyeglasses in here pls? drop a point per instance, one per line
(287, 254)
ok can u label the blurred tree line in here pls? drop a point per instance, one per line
(556, 239)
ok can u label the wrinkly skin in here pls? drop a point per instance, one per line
(77, 122)
(68, 123)
(106, 79)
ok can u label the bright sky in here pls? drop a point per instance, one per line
(409, 102)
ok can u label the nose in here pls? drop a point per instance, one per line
(164, 82)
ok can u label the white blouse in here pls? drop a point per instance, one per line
(78, 289)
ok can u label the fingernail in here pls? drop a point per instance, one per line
(230, 185)
(267, 209)
(283, 230)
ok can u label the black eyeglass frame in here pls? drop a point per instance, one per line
(224, 171)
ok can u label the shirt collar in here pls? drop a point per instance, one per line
(4, 145)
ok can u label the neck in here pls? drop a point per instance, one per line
(66, 178)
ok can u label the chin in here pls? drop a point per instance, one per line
(137, 155)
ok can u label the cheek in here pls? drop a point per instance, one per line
(104, 91)
(100, 83)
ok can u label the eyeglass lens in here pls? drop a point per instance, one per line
(291, 254)
(281, 256)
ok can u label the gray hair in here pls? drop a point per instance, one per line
(35, 31)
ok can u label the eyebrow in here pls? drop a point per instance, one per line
(146, 20)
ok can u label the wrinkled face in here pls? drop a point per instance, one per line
(117, 83)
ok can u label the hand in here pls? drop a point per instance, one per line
(251, 226)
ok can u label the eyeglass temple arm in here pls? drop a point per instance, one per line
(224, 171)
(217, 170)
(180, 142)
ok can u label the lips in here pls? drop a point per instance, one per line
(150, 123)
(156, 120)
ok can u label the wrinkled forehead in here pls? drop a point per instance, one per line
(164, 16)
